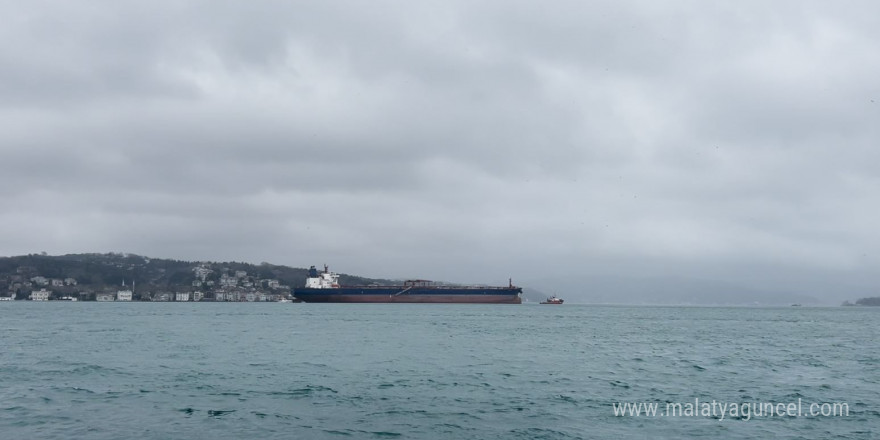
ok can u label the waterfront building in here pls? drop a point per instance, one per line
(40, 295)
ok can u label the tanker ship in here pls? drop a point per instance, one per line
(324, 287)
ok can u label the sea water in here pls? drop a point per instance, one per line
(431, 371)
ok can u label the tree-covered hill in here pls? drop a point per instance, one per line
(90, 273)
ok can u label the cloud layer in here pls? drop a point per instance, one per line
(450, 140)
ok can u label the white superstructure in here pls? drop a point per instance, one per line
(323, 280)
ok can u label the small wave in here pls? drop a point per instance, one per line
(401, 412)
(359, 433)
(219, 413)
(565, 398)
(541, 433)
(617, 383)
(105, 330)
(306, 391)
(79, 390)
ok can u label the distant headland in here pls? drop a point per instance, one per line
(130, 277)
(873, 301)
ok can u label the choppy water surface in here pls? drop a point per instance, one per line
(195, 370)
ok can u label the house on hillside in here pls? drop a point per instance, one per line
(228, 281)
(40, 281)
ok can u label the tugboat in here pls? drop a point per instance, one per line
(553, 300)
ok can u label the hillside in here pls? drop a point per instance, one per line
(85, 275)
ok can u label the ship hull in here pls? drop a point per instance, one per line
(411, 295)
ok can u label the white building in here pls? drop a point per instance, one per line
(202, 272)
(57, 283)
(70, 281)
(105, 297)
(123, 295)
(240, 273)
(182, 296)
(40, 295)
(197, 296)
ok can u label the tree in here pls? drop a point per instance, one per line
(873, 301)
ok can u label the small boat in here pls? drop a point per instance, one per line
(553, 300)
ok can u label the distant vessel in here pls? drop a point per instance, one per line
(324, 287)
(553, 300)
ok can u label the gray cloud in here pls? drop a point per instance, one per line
(450, 140)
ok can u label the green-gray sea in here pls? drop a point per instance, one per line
(432, 371)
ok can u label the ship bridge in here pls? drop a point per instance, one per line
(323, 280)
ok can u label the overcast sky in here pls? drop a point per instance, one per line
(456, 140)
